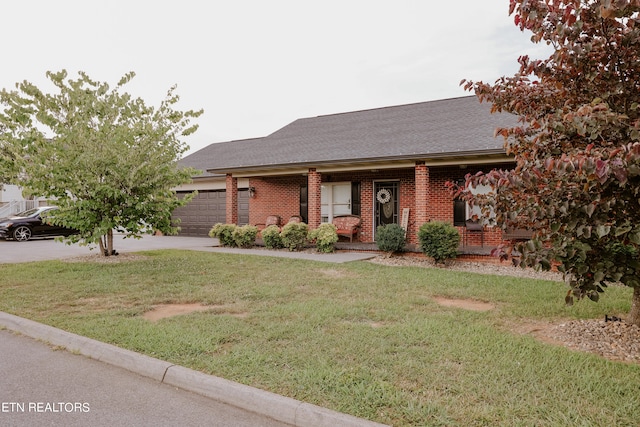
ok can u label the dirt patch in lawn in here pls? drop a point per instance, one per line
(466, 304)
(335, 274)
(169, 310)
(96, 257)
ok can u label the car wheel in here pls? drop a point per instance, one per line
(22, 233)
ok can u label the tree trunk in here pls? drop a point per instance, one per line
(103, 250)
(110, 242)
(106, 244)
(634, 313)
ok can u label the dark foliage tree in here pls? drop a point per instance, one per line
(576, 183)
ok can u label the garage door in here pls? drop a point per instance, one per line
(208, 208)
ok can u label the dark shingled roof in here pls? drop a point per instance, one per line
(434, 129)
(220, 153)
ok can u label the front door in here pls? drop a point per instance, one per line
(386, 203)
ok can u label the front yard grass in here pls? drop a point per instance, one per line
(360, 338)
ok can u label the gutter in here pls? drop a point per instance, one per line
(433, 159)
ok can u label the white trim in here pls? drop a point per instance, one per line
(329, 203)
(211, 184)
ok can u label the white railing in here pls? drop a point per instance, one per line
(15, 206)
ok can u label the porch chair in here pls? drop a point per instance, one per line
(347, 225)
(471, 227)
(271, 220)
(517, 234)
(295, 219)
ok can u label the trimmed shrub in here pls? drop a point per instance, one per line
(245, 236)
(271, 237)
(390, 238)
(224, 233)
(325, 237)
(294, 235)
(439, 240)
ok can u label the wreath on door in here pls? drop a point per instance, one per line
(383, 196)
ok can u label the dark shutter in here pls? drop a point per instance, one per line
(304, 203)
(459, 208)
(459, 212)
(355, 198)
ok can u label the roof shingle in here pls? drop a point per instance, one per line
(444, 128)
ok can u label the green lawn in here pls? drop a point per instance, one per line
(359, 338)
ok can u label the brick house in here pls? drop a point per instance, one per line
(386, 165)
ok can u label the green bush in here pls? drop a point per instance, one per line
(294, 235)
(271, 237)
(325, 237)
(224, 233)
(390, 238)
(439, 240)
(245, 236)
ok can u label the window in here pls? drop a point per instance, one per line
(461, 209)
(335, 199)
(476, 211)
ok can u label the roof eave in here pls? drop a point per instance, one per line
(430, 159)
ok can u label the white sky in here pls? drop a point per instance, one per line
(254, 66)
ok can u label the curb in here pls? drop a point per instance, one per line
(279, 408)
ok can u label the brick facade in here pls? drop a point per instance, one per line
(315, 183)
(232, 199)
(421, 189)
(366, 209)
(422, 192)
(275, 196)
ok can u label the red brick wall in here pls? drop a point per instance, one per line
(315, 208)
(366, 209)
(422, 192)
(275, 196)
(281, 196)
(231, 200)
(441, 202)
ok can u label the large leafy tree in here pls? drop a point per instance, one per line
(576, 183)
(108, 160)
(9, 157)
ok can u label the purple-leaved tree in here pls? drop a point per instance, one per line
(576, 183)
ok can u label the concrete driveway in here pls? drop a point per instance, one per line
(48, 248)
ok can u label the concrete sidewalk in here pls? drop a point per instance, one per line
(49, 249)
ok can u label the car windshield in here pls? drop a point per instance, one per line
(30, 213)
